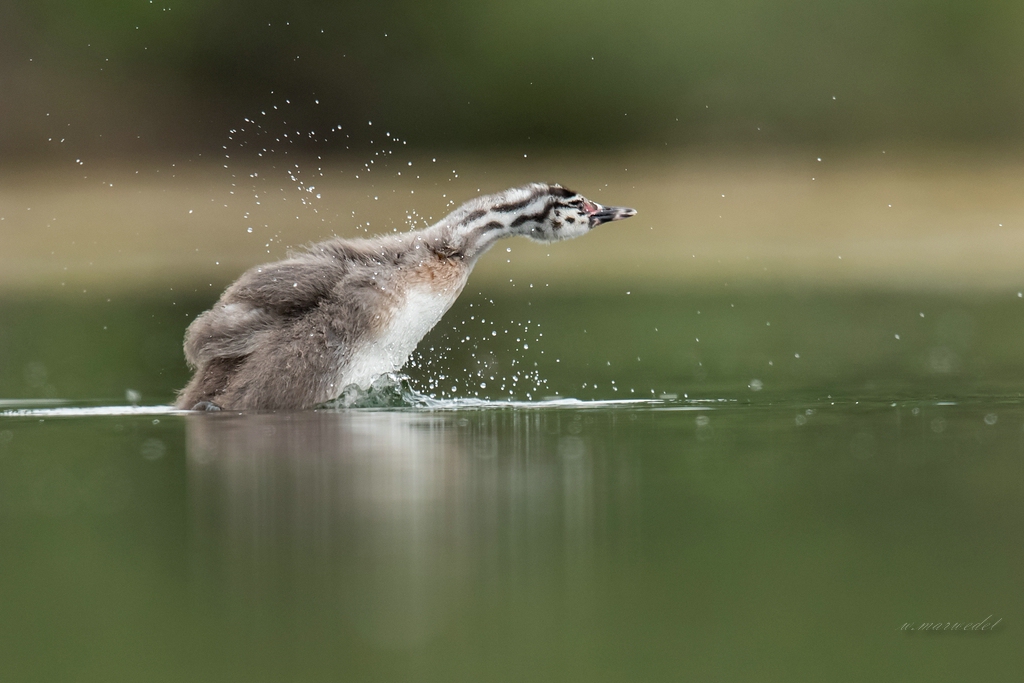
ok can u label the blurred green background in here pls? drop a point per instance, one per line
(163, 142)
(138, 76)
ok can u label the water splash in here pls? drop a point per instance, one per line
(390, 390)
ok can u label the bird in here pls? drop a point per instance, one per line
(296, 333)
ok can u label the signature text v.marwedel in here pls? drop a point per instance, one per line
(985, 624)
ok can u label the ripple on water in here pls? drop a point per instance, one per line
(27, 409)
(389, 392)
(395, 390)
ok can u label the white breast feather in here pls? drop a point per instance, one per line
(409, 323)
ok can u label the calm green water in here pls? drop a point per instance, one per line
(726, 533)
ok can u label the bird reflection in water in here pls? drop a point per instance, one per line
(389, 525)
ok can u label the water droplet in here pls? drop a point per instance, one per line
(153, 449)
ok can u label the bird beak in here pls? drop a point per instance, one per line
(607, 214)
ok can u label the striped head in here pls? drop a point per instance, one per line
(544, 213)
(549, 213)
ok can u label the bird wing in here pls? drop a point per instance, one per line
(287, 287)
(261, 299)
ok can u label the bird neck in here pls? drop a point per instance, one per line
(468, 234)
(474, 227)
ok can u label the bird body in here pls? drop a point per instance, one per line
(295, 333)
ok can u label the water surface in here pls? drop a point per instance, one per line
(710, 527)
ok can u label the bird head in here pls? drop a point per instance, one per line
(551, 213)
(541, 212)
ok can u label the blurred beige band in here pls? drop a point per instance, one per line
(876, 220)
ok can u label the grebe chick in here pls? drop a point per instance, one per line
(296, 333)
